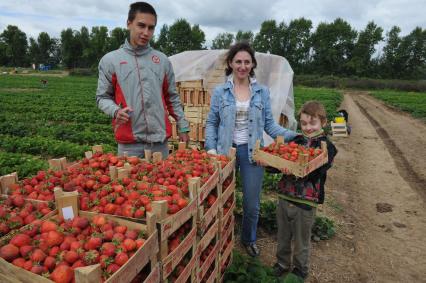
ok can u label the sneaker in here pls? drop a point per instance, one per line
(279, 270)
(252, 249)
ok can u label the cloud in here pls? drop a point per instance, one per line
(213, 17)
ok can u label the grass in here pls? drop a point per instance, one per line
(331, 98)
(411, 102)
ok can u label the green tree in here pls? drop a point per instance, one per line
(267, 40)
(71, 48)
(332, 46)
(34, 52)
(198, 38)
(296, 43)
(360, 63)
(3, 56)
(82, 40)
(391, 60)
(246, 36)
(117, 38)
(98, 44)
(16, 46)
(45, 46)
(415, 43)
(223, 41)
(162, 43)
(182, 37)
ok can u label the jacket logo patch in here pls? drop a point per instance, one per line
(155, 59)
(123, 62)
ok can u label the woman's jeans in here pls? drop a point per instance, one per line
(252, 178)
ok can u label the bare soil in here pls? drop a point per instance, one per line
(376, 194)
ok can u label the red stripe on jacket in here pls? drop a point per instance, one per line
(168, 107)
(123, 133)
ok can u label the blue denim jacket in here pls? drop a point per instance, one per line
(220, 122)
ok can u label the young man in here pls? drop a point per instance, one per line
(136, 87)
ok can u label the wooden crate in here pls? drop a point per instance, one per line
(6, 181)
(213, 257)
(283, 120)
(146, 254)
(34, 202)
(299, 168)
(226, 232)
(155, 275)
(230, 167)
(204, 241)
(168, 224)
(196, 114)
(187, 275)
(223, 215)
(223, 265)
(339, 129)
(58, 163)
(170, 262)
(193, 131)
(204, 219)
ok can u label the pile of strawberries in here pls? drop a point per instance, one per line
(54, 248)
(16, 212)
(292, 150)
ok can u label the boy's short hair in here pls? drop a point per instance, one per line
(140, 7)
(314, 108)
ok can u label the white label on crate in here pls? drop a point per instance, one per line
(67, 212)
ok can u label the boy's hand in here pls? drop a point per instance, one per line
(285, 171)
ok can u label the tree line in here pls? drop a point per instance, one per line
(333, 48)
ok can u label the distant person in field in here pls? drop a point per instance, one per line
(240, 110)
(136, 87)
(299, 198)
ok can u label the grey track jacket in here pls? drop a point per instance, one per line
(143, 79)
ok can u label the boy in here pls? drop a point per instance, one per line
(299, 197)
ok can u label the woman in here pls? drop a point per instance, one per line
(240, 111)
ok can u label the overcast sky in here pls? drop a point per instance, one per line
(35, 16)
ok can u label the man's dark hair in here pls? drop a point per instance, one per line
(140, 7)
(233, 50)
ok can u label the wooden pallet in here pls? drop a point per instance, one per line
(339, 129)
(299, 168)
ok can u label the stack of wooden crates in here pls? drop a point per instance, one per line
(195, 98)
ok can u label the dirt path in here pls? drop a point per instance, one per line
(376, 193)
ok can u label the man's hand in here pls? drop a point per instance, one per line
(123, 115)
(183, 137)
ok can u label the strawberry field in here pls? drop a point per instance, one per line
(40, 122)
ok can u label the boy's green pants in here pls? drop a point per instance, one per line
(294, 223)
